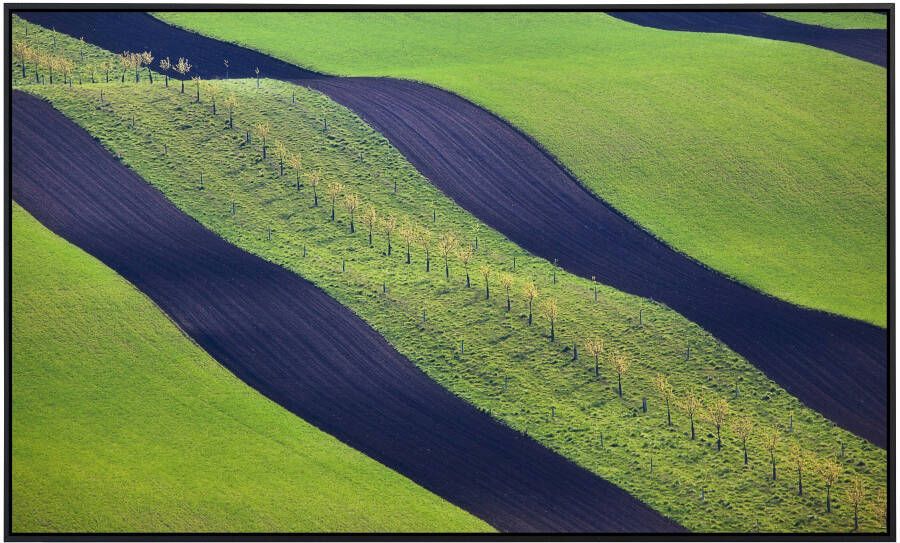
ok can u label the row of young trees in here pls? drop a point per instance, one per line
(41, 61)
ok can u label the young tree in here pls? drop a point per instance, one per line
(531, 292)
(551, 311)
(798, 457)
(446, 247)
(262, 130)
(620, 364)
(351, 202)
(664, 389)
(196, 80)
(389, 224)
(106, 66)
(165, 65)
(856, 494)
(595, 347)
(830, 471)
(506, 280)
(281, 153)
(465, 256)
(408, 235)
(370, 219)
(296, 164)
(124, 62)
(230, 104)
(213, 90)
(226, 68)
(717, 413)
(770, 442)
(136, 60)
(486, 275)
(256, 71)
(334, 190)
(742, 428)
(314, 178)
(692, 406)
(183, 67)
(20, 50)
(424, 239)
(147, 60)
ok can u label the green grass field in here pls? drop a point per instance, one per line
(509, 368)
(836, 19)
(765, 160)
(122, 424)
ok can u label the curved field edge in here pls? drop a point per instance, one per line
(731, 143)
(836, 19)
(500, 351)
(121, 424)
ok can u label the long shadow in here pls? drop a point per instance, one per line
(835, 365)
(869, 45)
(295, 344)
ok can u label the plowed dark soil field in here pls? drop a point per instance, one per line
(835, 365)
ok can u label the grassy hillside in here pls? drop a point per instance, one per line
(121, 424)
(508, 367)
(836, 19)
(765, 160)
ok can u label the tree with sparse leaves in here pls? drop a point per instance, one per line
(692, 406)
(486, 275)
(281, 153)
(314, 178)
(262, 130)
(296, 164)
(716, 414)
(147, 60)
(165, 65)
(550, 311)
(424, 239)
(370, 219)
(743, 428)
(446, 247)
(506, 279)
(407, 233)
(183, 67)
(856, 494)
(798, 458)
(465, 256)
(196, 79)
(389, 224)
(334, 190)
(530, 292)
(829, 470)
(351, 202)
(595, 348)
(620, 365)
(213, 90)
(664, 389)
(230, 103)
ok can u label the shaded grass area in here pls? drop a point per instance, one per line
(836, 19)
(122, 424)
(508, 367)
(764, 160)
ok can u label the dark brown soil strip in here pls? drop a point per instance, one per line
(835, 365)
(869, 45)
(295, 344)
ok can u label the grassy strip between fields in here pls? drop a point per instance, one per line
(765, 160)
(122, 424)
(836, 19)
(472, 345)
